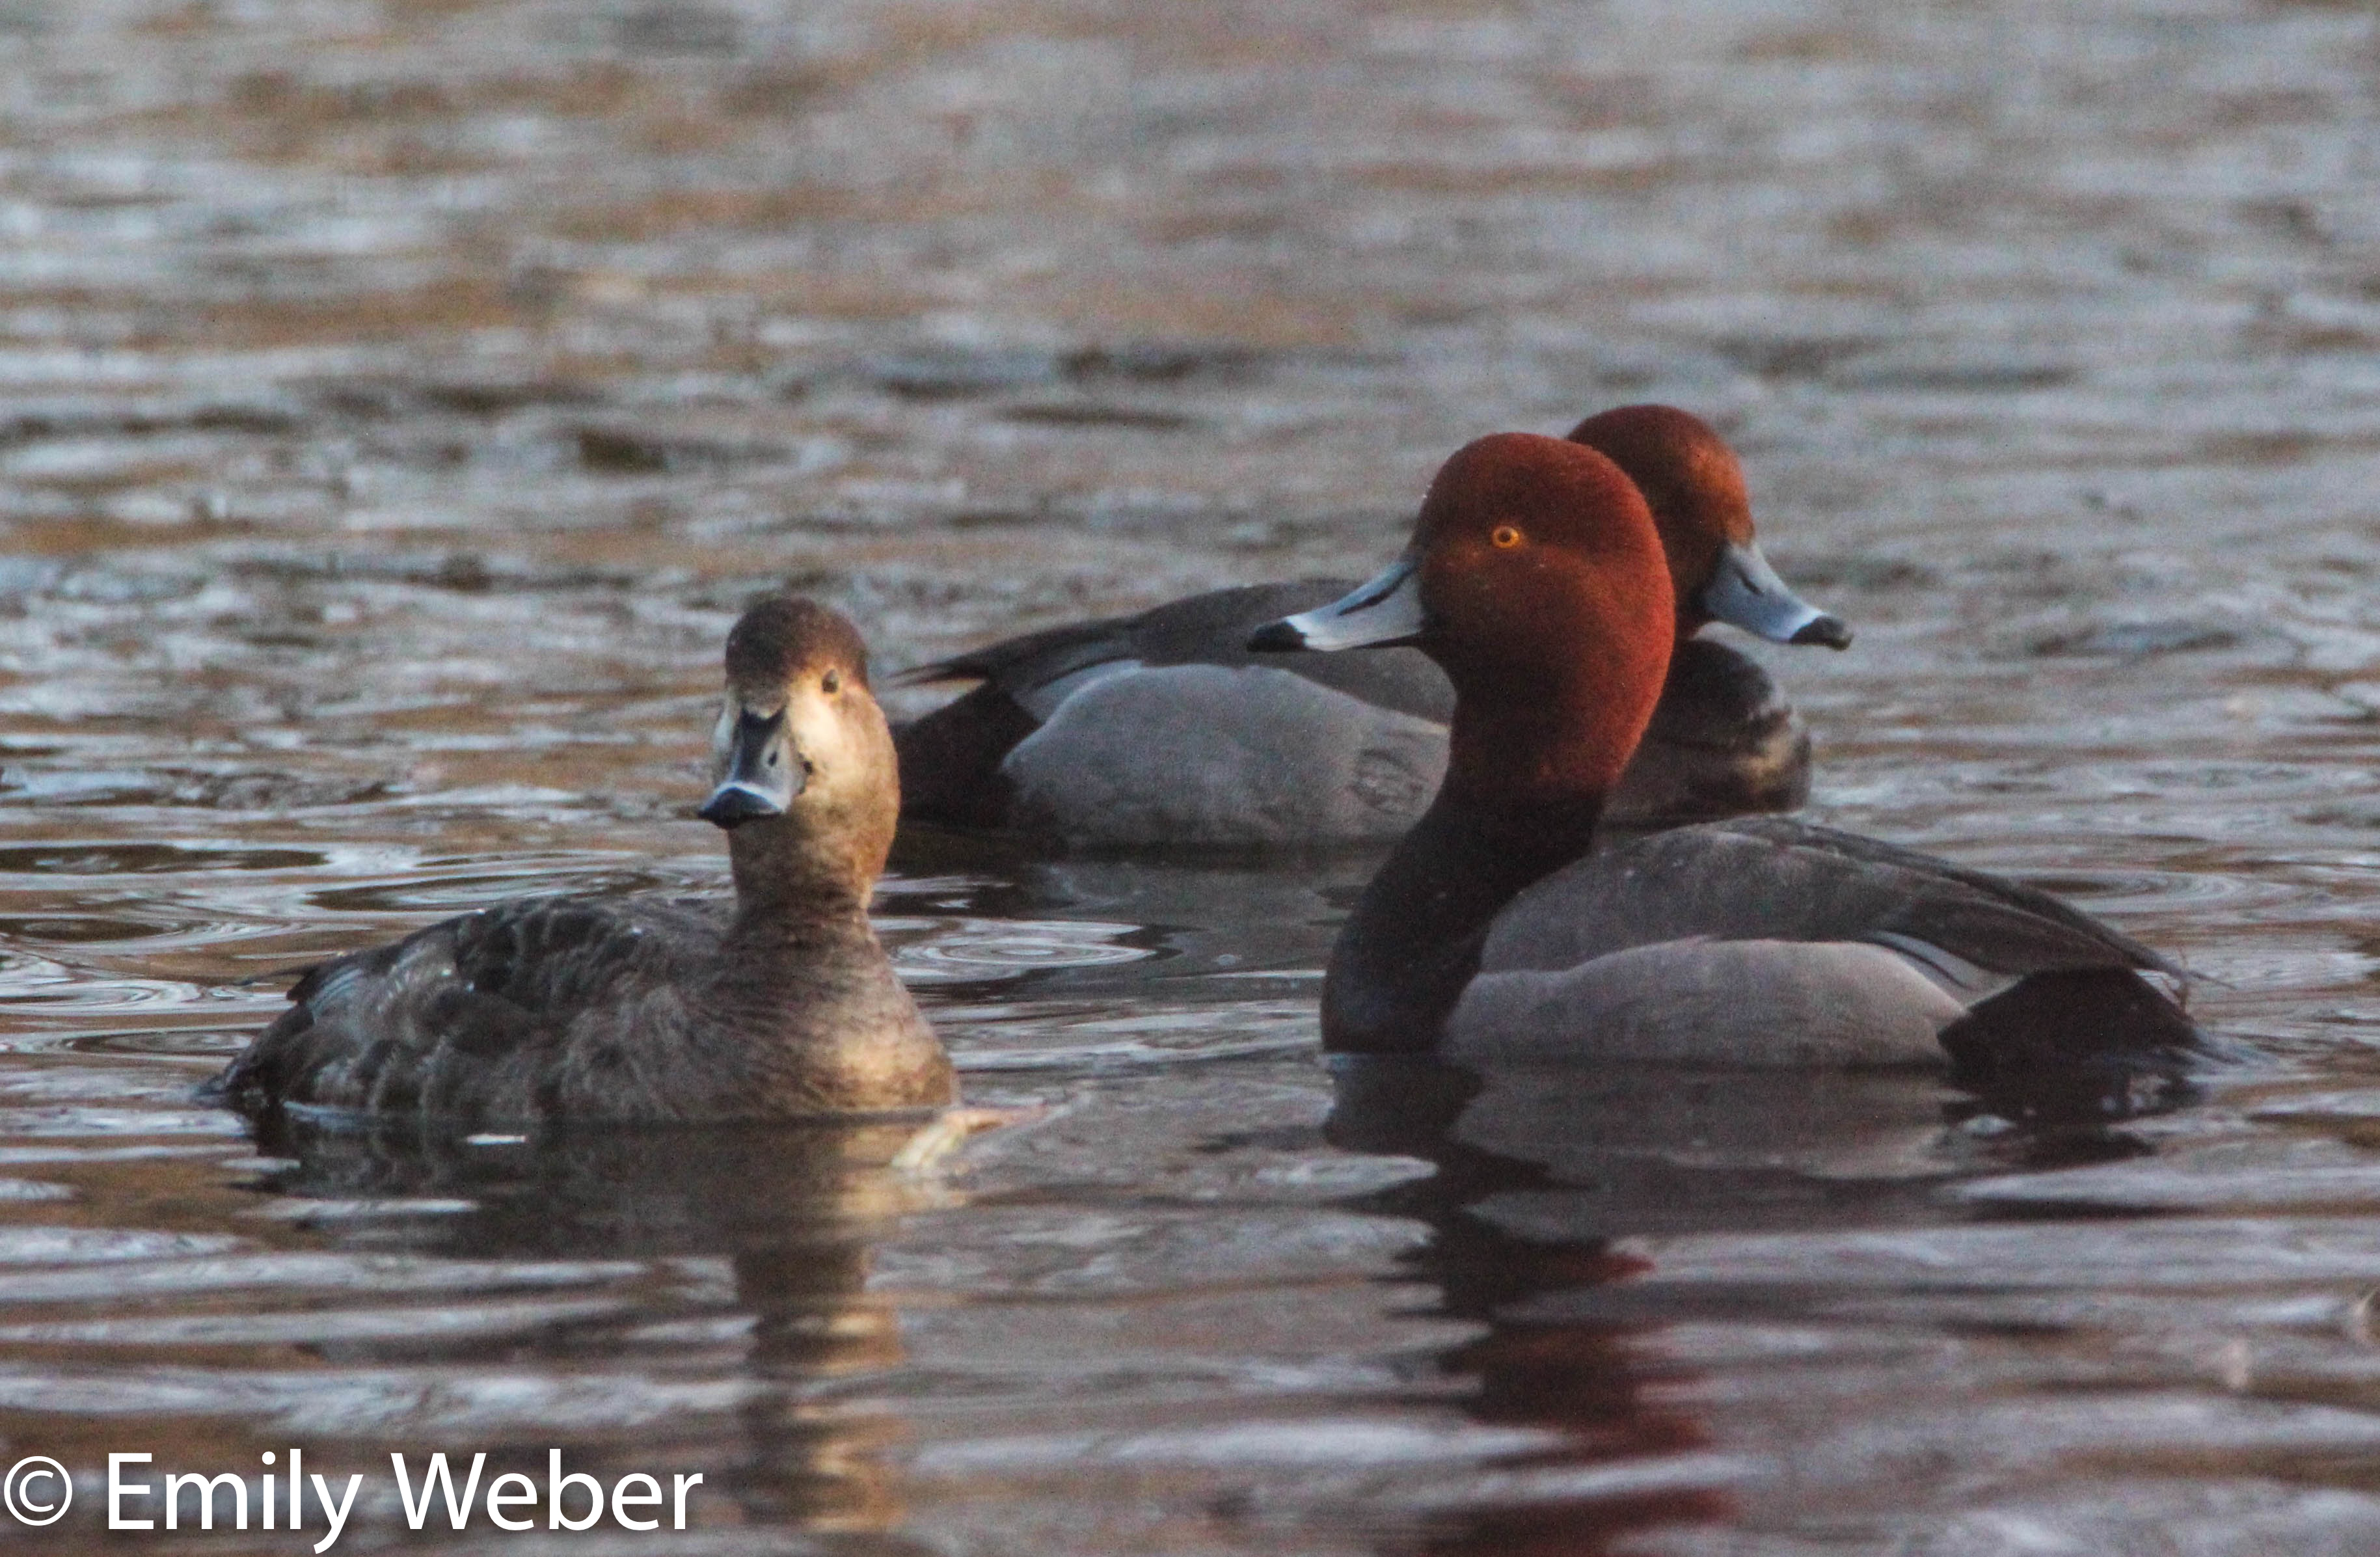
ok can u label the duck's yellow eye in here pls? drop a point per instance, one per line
(1505, 536)
(833, 683)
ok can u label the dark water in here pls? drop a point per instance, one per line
(397, 403)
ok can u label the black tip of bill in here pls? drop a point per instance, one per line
(732, 805)
(1832, 632)
(1276, 637)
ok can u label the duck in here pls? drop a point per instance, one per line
(1162, 729)
(778, 1005)
(1498, 931)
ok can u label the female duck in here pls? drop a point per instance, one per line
(1537, 580)
(554, 1008)
(1161, 728)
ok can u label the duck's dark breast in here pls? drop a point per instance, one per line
(1723, 742)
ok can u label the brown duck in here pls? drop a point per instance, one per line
(779, 1004)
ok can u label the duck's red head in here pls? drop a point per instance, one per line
(1693, 484)
(1704, 513)
(1537, 580)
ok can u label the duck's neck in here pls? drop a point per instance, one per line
(789, 885)
(1525, 782)
(1518, 760)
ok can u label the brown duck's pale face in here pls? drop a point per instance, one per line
(807, 745)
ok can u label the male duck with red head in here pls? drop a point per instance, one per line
(1537, 581)
(1163, 729)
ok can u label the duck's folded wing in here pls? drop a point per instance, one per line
(453, 1006)
(1031, 660)
(1775, 879)
(1036, 670)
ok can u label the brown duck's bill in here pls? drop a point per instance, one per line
(1747, 592)
(761, 772)
(1380, 613)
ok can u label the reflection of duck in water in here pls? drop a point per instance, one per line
(1114, 926)
(751, 1249)
(780, 1006)
(1553, 1190)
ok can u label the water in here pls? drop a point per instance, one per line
(400, 401)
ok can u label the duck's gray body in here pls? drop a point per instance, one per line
(1771, 941)
(643, 1009)
(1763, 941)
(1163, 728)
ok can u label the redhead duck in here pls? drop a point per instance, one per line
(1162, 728)
(778, 1006)
(1495, 930)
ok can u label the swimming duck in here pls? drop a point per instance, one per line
(779, 1004)
(1535, 579)
(1162, 728)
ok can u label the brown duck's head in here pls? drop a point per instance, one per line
(806, 781)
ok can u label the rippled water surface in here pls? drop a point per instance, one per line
(398, 401)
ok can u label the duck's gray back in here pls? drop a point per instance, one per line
(1165, 728)
(1775, 879)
